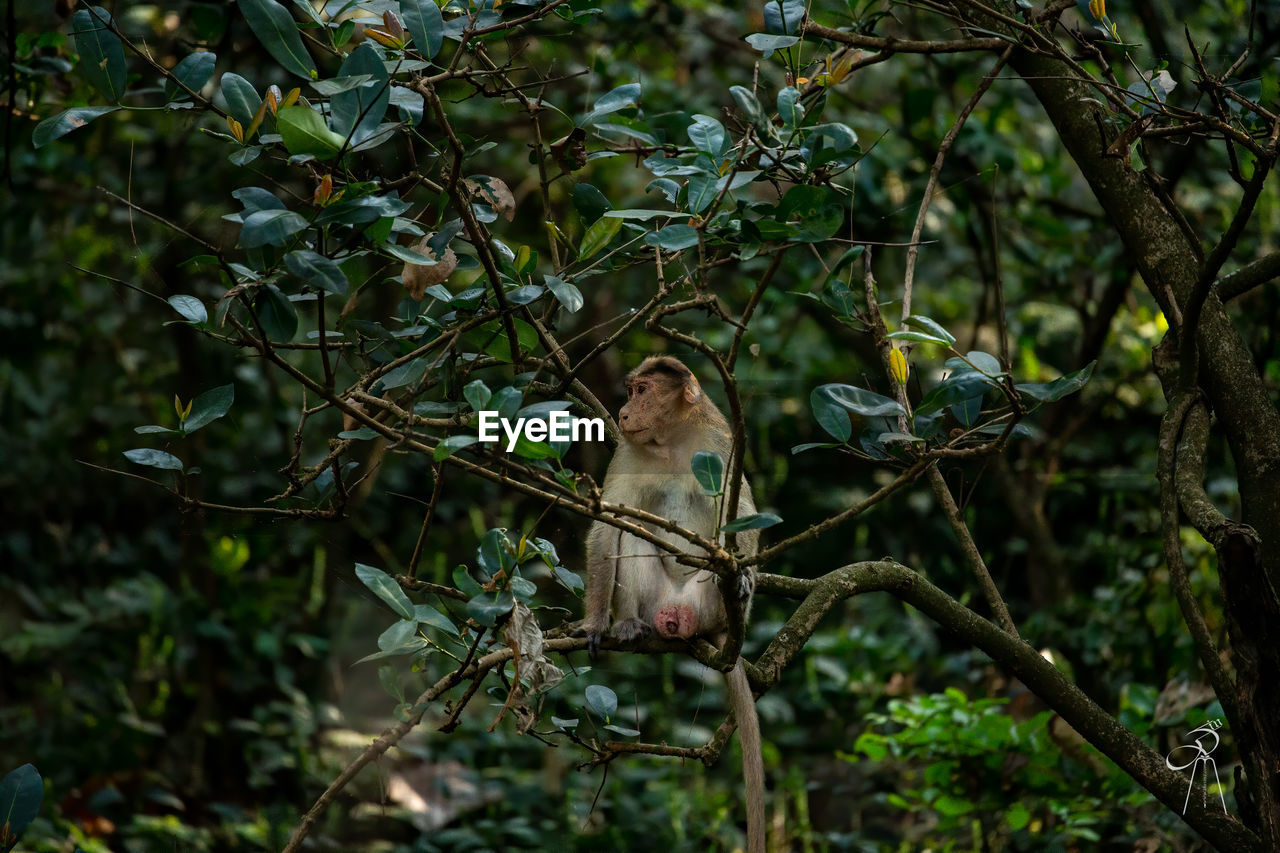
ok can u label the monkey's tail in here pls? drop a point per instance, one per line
(744, 713)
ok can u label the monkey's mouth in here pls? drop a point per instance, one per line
(637, 436)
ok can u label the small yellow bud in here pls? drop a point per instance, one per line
(291, 98)
(898, 365)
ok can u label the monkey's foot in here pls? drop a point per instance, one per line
(746, 585)
(630, 630)
(593, 634)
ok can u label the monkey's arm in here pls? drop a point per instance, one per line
(602, 575)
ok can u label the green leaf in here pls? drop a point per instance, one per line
(242, 99)
(526, 294)
(336, 85)
(932, 327)
(210, 406)
(191, 309)
(256, 198)
(801, 448)
(398, 636)
(589, 202)
(423, 21)
(21, 793)
(757, 521)
(275, 313)
(357, 113)
(708, 470)
(673, 237)
(529, 449)
(416, 644)
(65, 122)
(748, 103)
(270, 228)
(829, 415)
(623, 731)
(602, 700)
(860, 400)
(707, 135)
(952, 806)
(386, 588)
(918, 337)
(477, 394)
(494, 553)
(154, 458)
(768, 43)
(565, 293)
(625, 96)
(1057, 389)
(598, 236)
(304, 132)
(315, 270)
(1017, 816)
(506, 401)
(428, 615)
(783, 16)
(362, 434)
(956, 388)
(452, 445)
(488, 607)
(275, 28)
(702, 191)
(789, 108)
(409, 256)
(820, 212)
(640, 214)
(984, 362)
(409, 373)
(193, 71)
(101, 52)
(466, 584)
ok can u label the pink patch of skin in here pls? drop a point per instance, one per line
(675, 621)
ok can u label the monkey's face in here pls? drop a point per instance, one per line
(654, 406)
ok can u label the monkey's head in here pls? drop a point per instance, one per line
(662, 394)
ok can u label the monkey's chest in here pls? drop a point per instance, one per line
(673, 499)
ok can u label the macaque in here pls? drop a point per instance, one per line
(666, 420)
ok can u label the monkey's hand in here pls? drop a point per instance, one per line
(746, 585)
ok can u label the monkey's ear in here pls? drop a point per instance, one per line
(692, 390)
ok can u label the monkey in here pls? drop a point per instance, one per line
(666, 420)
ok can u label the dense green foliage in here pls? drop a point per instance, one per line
(201, 544)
